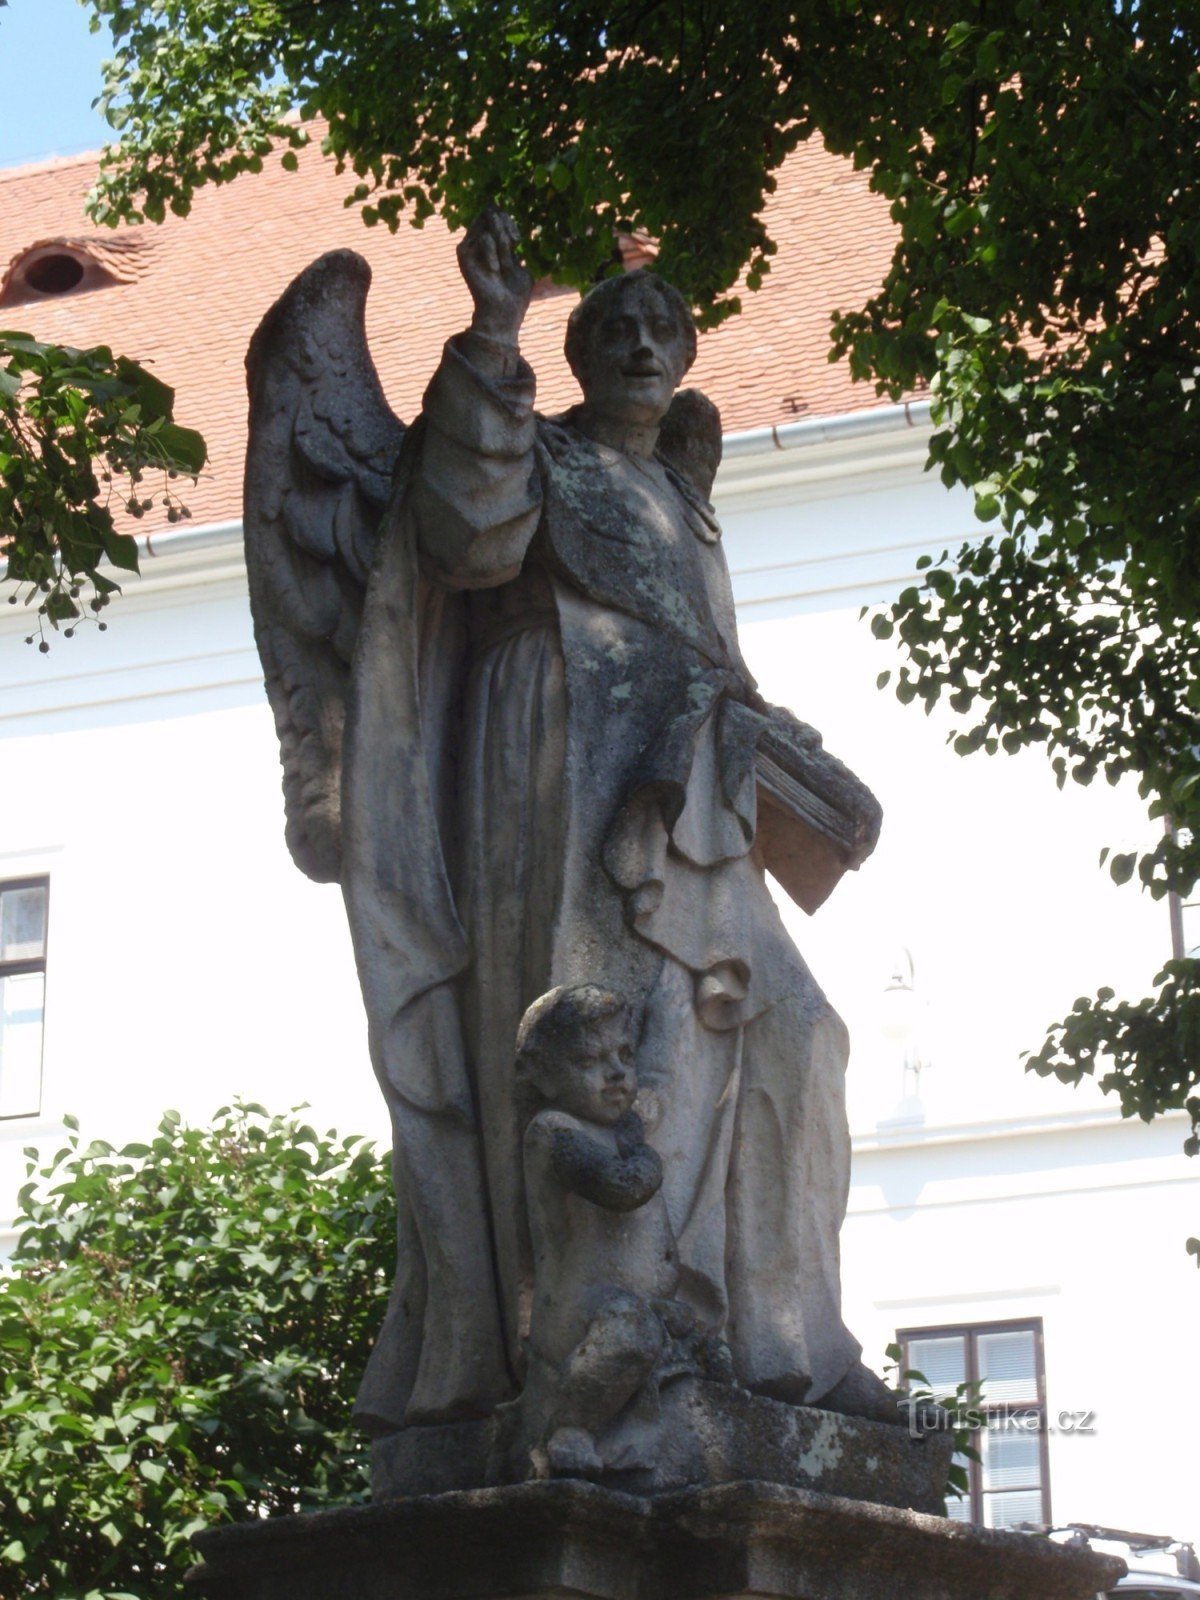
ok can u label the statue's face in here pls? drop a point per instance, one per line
(636, 356)
(595, 1080)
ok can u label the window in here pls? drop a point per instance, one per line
(1010, 1484)
(23, 907)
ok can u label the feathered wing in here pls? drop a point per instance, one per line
(319, 465)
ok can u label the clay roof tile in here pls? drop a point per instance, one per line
(186, 296)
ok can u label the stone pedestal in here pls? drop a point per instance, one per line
(559, 1539)
(704, 1433)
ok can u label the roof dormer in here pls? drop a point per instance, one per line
(49, 269)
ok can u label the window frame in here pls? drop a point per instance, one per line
(1176, 906)
(19, 966)
(970, 1333)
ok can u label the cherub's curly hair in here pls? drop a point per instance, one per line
(554, 1020)
(598, 301)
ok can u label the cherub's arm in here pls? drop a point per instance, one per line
(476, 494)
(619, 1180)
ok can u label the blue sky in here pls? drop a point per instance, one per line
(49, 76)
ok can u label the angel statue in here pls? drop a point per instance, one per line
(517, 728)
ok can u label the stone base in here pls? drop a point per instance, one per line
(551, 1540)
(707, 1433)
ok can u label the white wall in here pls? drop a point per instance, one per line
(188, 960)
(984, 871)
(1084, 1228)
(999, 1195)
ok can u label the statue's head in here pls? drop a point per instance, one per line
(575, 1046)
(629, 343)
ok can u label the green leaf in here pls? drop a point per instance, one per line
(183, 448)
(155, 398)
(1121, 866)
(121, 549)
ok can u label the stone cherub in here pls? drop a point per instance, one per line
(604, 1333)
(517, 728)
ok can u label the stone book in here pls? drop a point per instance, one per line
(816, 819)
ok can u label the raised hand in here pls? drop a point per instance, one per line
(499, 284)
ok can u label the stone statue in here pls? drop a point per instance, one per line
(605, 1329)
(516, 726)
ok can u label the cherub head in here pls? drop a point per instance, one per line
(575, 1046)
(629, 343)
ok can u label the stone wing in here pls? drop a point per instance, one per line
(322, 450)
(690, 439)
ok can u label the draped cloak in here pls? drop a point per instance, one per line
(549, 779)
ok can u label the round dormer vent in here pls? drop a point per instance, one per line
(56, 273)
(51, 268)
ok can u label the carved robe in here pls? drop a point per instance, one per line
(549, 778)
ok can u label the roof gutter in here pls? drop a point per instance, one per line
(175, 541)
(827, 430)
(754, 441)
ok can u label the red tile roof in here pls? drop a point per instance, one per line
(203, 283)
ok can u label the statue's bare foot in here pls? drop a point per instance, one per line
(571, 1453)
(789, 1387)
(862, 1393)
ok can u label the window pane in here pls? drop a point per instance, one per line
(1006, 1510)
(958, 1510)
(21, 1001)
(1012, 1454)
(1008, 1367)
(23, 923)
(943, 1361)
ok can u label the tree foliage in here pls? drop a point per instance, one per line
(80, 430)
(180, 1338)
(1041, 165)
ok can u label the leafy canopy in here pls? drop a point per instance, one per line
(180, 1338)
(79, 431)
(1042, 166)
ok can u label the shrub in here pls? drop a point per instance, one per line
(181, 1333)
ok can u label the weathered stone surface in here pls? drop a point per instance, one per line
(568, 1538)
(605, 1330)
(516, 726)
(708, 1433)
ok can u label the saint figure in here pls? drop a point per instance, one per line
(518, 729)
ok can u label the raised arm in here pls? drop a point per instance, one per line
(619, 1180)
(476, 494)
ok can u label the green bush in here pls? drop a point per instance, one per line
(180, 1337)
